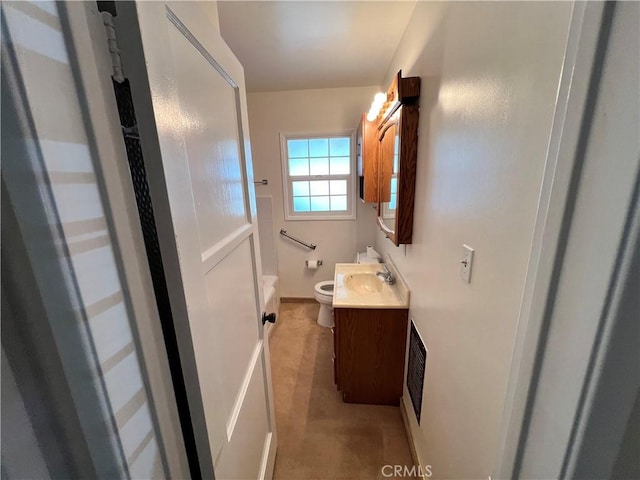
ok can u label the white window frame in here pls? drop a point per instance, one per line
(287, 180)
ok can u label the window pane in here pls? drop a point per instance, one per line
(392, 201)
(395, 163)
(319, 204)
(301, 204)
(339, 147)
(319, 166)
(340, 165)
(320, 187)
(298, 166)
(394, 184)
(319, 175)
(338, 203)
(338, 187)
(300, 189)
(298, 148)
(318, 147)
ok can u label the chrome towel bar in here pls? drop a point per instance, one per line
(284, 233)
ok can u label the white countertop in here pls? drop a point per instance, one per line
(388, 296)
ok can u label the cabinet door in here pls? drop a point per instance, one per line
(336, 371)
(370, 354)
(367, 155)
(397, 158)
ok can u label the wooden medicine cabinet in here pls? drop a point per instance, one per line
(397, 133)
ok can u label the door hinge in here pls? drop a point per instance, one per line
(112, 42)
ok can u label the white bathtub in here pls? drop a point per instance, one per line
(271, 296)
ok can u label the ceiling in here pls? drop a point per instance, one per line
(295, 45)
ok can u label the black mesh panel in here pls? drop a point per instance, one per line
(415, 370)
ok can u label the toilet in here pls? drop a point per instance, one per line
(323, 293)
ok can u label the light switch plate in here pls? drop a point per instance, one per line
(466, 263)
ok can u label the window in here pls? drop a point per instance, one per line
(318, 176)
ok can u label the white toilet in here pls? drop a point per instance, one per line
(323, 293)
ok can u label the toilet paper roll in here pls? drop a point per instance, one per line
(371, 253)
(312, 264)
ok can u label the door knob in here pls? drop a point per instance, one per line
(268, 317)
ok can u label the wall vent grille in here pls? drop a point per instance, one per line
(416, 369)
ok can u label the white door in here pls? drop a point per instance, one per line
(190, 101)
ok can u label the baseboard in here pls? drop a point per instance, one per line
(297, 300)
(407, 429)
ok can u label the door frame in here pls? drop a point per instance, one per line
(92, 63)
(569, 111)
(578, 90)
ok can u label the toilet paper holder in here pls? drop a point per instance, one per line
(306, 262)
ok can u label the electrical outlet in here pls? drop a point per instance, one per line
(466, 263)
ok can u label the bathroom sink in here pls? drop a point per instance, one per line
(357, 286)
(363, 283)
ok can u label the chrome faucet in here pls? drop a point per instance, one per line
(388, 277)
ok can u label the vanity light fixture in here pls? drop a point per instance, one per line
(376, 105)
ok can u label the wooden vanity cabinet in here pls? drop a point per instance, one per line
(369, 351)
(367, 160)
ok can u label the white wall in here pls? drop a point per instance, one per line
(306, 111)
(490, 75)
(268, 254)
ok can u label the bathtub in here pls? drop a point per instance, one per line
(271, 296)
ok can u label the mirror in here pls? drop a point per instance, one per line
(389, 166)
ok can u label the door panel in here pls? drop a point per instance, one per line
(234, 331)
(210, 125)
(192, 104)
(247, 444)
